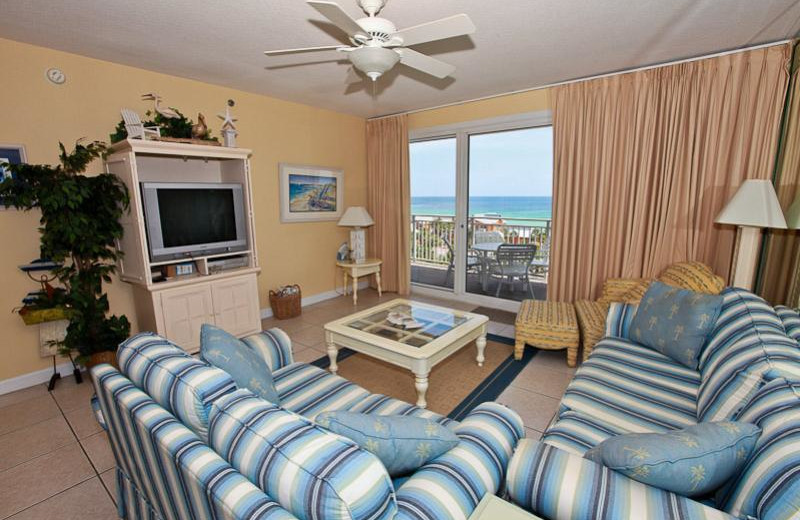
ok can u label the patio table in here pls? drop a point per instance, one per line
(483, 249)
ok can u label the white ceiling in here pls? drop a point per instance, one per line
(519, 43)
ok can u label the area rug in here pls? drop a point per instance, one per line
(500, 316)
(456, 385)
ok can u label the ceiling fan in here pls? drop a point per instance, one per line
(377, 45)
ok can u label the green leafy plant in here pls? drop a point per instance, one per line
(179, 127)
(79, 228)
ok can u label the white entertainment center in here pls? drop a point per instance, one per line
(223, 289)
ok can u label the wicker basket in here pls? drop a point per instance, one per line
(285, 306)
(98, 358)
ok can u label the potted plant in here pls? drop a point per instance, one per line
(79, 228)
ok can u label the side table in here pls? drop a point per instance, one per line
(358, 270)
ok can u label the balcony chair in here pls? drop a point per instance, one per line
(513, 262)
(541, 264)
(474, 264)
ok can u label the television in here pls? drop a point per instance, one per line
(188, 219)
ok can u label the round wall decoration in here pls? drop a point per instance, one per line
(56, 76)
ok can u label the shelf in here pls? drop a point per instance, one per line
(141, 146)
(193, 279)
(199, 258)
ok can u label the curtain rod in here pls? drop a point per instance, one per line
(588, 78)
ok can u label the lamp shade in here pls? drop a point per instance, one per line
(755, 204)
(793, 214)
(356, 216)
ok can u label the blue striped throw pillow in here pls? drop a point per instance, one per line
(309, 471)
(185, 386)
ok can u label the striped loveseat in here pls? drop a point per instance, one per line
(749, 370)
(190, 445)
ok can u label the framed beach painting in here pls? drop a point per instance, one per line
(9, 154)
(311, 193)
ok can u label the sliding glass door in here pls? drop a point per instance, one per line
(433, 212)
(481, 204)
(510, 210)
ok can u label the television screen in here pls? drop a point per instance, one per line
(190, 219)
(212, 216)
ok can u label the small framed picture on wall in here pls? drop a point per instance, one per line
(310, 193)
(10, 154)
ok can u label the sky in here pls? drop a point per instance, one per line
(512, 163)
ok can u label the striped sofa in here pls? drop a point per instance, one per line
(749, 370)
(189, 445)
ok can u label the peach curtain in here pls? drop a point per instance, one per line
(781, 264)
(644, 161)
(389, 200)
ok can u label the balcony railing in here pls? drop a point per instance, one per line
(433, 236)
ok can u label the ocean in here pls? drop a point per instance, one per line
(509, 207)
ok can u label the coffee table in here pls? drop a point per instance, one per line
(442, 332)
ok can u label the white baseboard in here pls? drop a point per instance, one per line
(316, 298)
(33, 378)
(65, 369)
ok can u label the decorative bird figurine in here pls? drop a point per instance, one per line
(164, 111)
(200, 129)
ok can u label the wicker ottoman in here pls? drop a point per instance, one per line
(549, 326)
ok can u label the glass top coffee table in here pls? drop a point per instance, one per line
(408, 334)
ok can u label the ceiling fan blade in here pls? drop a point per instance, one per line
(352, 76)
(426, 64)
(450, 27)
(338, 16)
(306, 49)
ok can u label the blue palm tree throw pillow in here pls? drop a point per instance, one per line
(675, 322)
(691, 462)
(245, 366)
(403, 444)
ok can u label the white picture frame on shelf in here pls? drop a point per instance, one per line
(310, 193)
(10, 154)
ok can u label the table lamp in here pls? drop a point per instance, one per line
(357, 218)
(754, 206)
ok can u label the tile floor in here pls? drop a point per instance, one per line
(55, 461)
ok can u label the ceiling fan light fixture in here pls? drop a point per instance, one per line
(372, 7)
(373, 61)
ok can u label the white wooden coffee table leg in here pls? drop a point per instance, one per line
(481, 344)
(421, 384)
(333, 352)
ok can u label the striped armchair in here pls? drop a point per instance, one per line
(749, 370)
(189, 444)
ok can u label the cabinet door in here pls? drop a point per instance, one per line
(236, 305)
(184, 310)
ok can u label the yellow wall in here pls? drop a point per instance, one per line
(530, 101)
(38, 114)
